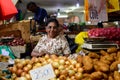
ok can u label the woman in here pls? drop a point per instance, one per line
(53, 42)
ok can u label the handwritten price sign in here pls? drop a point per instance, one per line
(43, 73)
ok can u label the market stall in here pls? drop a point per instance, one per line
(94, 66)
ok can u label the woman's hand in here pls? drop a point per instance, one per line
(37, 54)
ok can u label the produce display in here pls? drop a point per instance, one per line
(4, 74)
(12, 41)
(102, 65)
(105, 32)
(110, 33)
(64, 68)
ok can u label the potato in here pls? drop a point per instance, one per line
(87, 64)
(103, 53)
(116, 75)
(114, 55)
(118, 55)
(112, 50)
(107, 59)
(114, 66)
(100, 66)
(93, 55)
(96, 75)
(110, 78)
(79, 58)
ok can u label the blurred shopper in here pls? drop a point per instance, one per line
(40, 14)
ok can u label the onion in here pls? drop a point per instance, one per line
(53, 56)
(68, 78)
(77, 65)
(25, 69)
(49, 61)
(73, 78)
(71, 72)
(61, 67)
(17, 60)
(62, 62)
(22, 78)
(64, 72)
(28, 60)
(19, 71)
(19, 65)
(80, 70)
(62, 77)
(23, 73)
(57, 72)
(29, 66)
(55, 64)
(44, 63)
(67, 62)
(35, 59)
(53, 79)
(38, 64)
(78, 76)
(71, 67)
(73, 62)
(14, 69)
(27, 76)
(23, 62)
(46, 56)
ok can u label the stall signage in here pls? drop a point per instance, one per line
(5, 52)
(43, 73)
(95, 11)
(113, 5)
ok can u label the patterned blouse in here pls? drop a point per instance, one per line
(58, 45)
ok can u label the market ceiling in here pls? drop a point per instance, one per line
(53, 6)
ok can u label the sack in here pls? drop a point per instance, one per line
(7, 9)
(73, 46)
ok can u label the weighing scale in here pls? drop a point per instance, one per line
(99, 45)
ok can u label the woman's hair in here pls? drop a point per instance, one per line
(52, 20)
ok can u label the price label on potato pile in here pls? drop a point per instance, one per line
(43, 73)
(118, 67)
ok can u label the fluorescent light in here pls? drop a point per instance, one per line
(58, 14)
(77, 5)
(62, 16)
(31, 17)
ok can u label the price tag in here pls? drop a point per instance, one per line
(4, 52)
(118, 67)
(43, 73)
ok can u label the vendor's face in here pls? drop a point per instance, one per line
(51, 30)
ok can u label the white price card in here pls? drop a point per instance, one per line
(118, 67)
(4, 52)
(43, 73)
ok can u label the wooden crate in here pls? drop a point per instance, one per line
(22, 26)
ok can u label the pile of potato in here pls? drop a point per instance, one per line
(102, 65)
